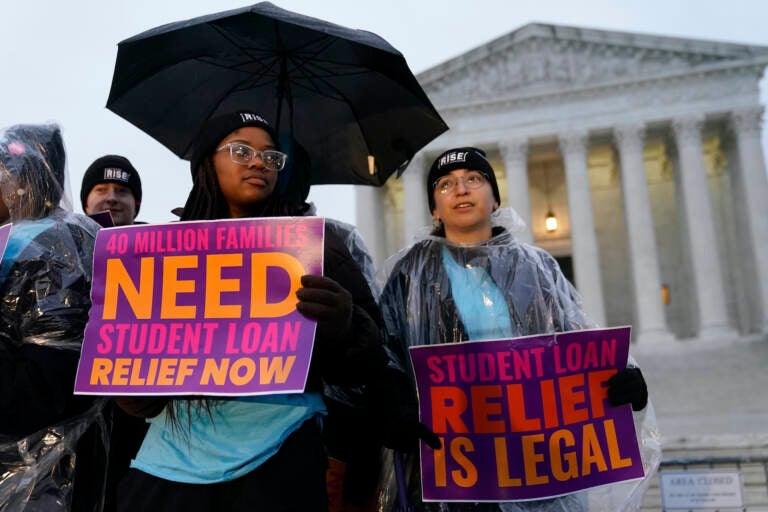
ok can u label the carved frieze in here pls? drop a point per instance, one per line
(539, 64)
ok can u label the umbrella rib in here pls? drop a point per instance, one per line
(267, 68)
(310, 78)
(311, 56)
(313, 78)
(302, 59)
(328, 71)
(249, 52)
(300, 62)
(344, 99)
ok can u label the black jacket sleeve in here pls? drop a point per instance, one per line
(36, 385)
(350, 357)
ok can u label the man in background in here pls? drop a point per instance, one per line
(112, 184)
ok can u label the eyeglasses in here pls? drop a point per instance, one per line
(244, 154)
(473, 180)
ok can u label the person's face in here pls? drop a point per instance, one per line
(116, 198)
(464, 211)
(244, 186)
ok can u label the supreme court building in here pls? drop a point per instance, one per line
(645, 149)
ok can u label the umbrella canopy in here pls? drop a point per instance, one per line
(345, 96)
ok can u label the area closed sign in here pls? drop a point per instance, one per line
(701, 489)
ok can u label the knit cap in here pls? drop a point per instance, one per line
(460, 158)
(216, 128)
(111, 169)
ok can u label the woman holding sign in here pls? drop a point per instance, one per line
(471, 279)
(260, 452)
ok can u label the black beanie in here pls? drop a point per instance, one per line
(111, 169)
(460, 158)
(218, 127)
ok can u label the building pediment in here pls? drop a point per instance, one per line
(545, 59)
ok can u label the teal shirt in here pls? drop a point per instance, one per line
(481, 305)
(237, 437)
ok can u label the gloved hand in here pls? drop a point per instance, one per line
(142, 406)
(323, 299)
(403, 434)
(628, 386)
(391, 400)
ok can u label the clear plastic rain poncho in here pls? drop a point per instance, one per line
(419, 309)
(355, 244)
(45, 280)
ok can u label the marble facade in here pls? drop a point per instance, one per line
(647, 149)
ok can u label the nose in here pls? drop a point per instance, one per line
(461, 186)
(257, 162)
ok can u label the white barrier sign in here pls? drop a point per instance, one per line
(701, 489)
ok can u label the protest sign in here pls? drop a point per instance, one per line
(5, 232)
(104, 218)
(203, 308)
(526, 418)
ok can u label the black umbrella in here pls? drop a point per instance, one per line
(346, 96)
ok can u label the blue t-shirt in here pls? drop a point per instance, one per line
(21, 235)
(238, 436)
(481, 305)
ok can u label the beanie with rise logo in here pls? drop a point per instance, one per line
(111, 169)
(469, 158)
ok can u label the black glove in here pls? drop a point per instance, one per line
(628, 386)
(142, 406)
(403, 435)
(391, 400)
(323, 299)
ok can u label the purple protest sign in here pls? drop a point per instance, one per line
(203, 308)
(526, 418)
(5, 232)
(104, 219)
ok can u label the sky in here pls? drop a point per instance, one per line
(57, 60)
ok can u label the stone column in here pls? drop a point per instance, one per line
(651, 325)
(514, 152)
(370, 217)
(705, 262)
(753, 191)
(586, 262)
(415, 206)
